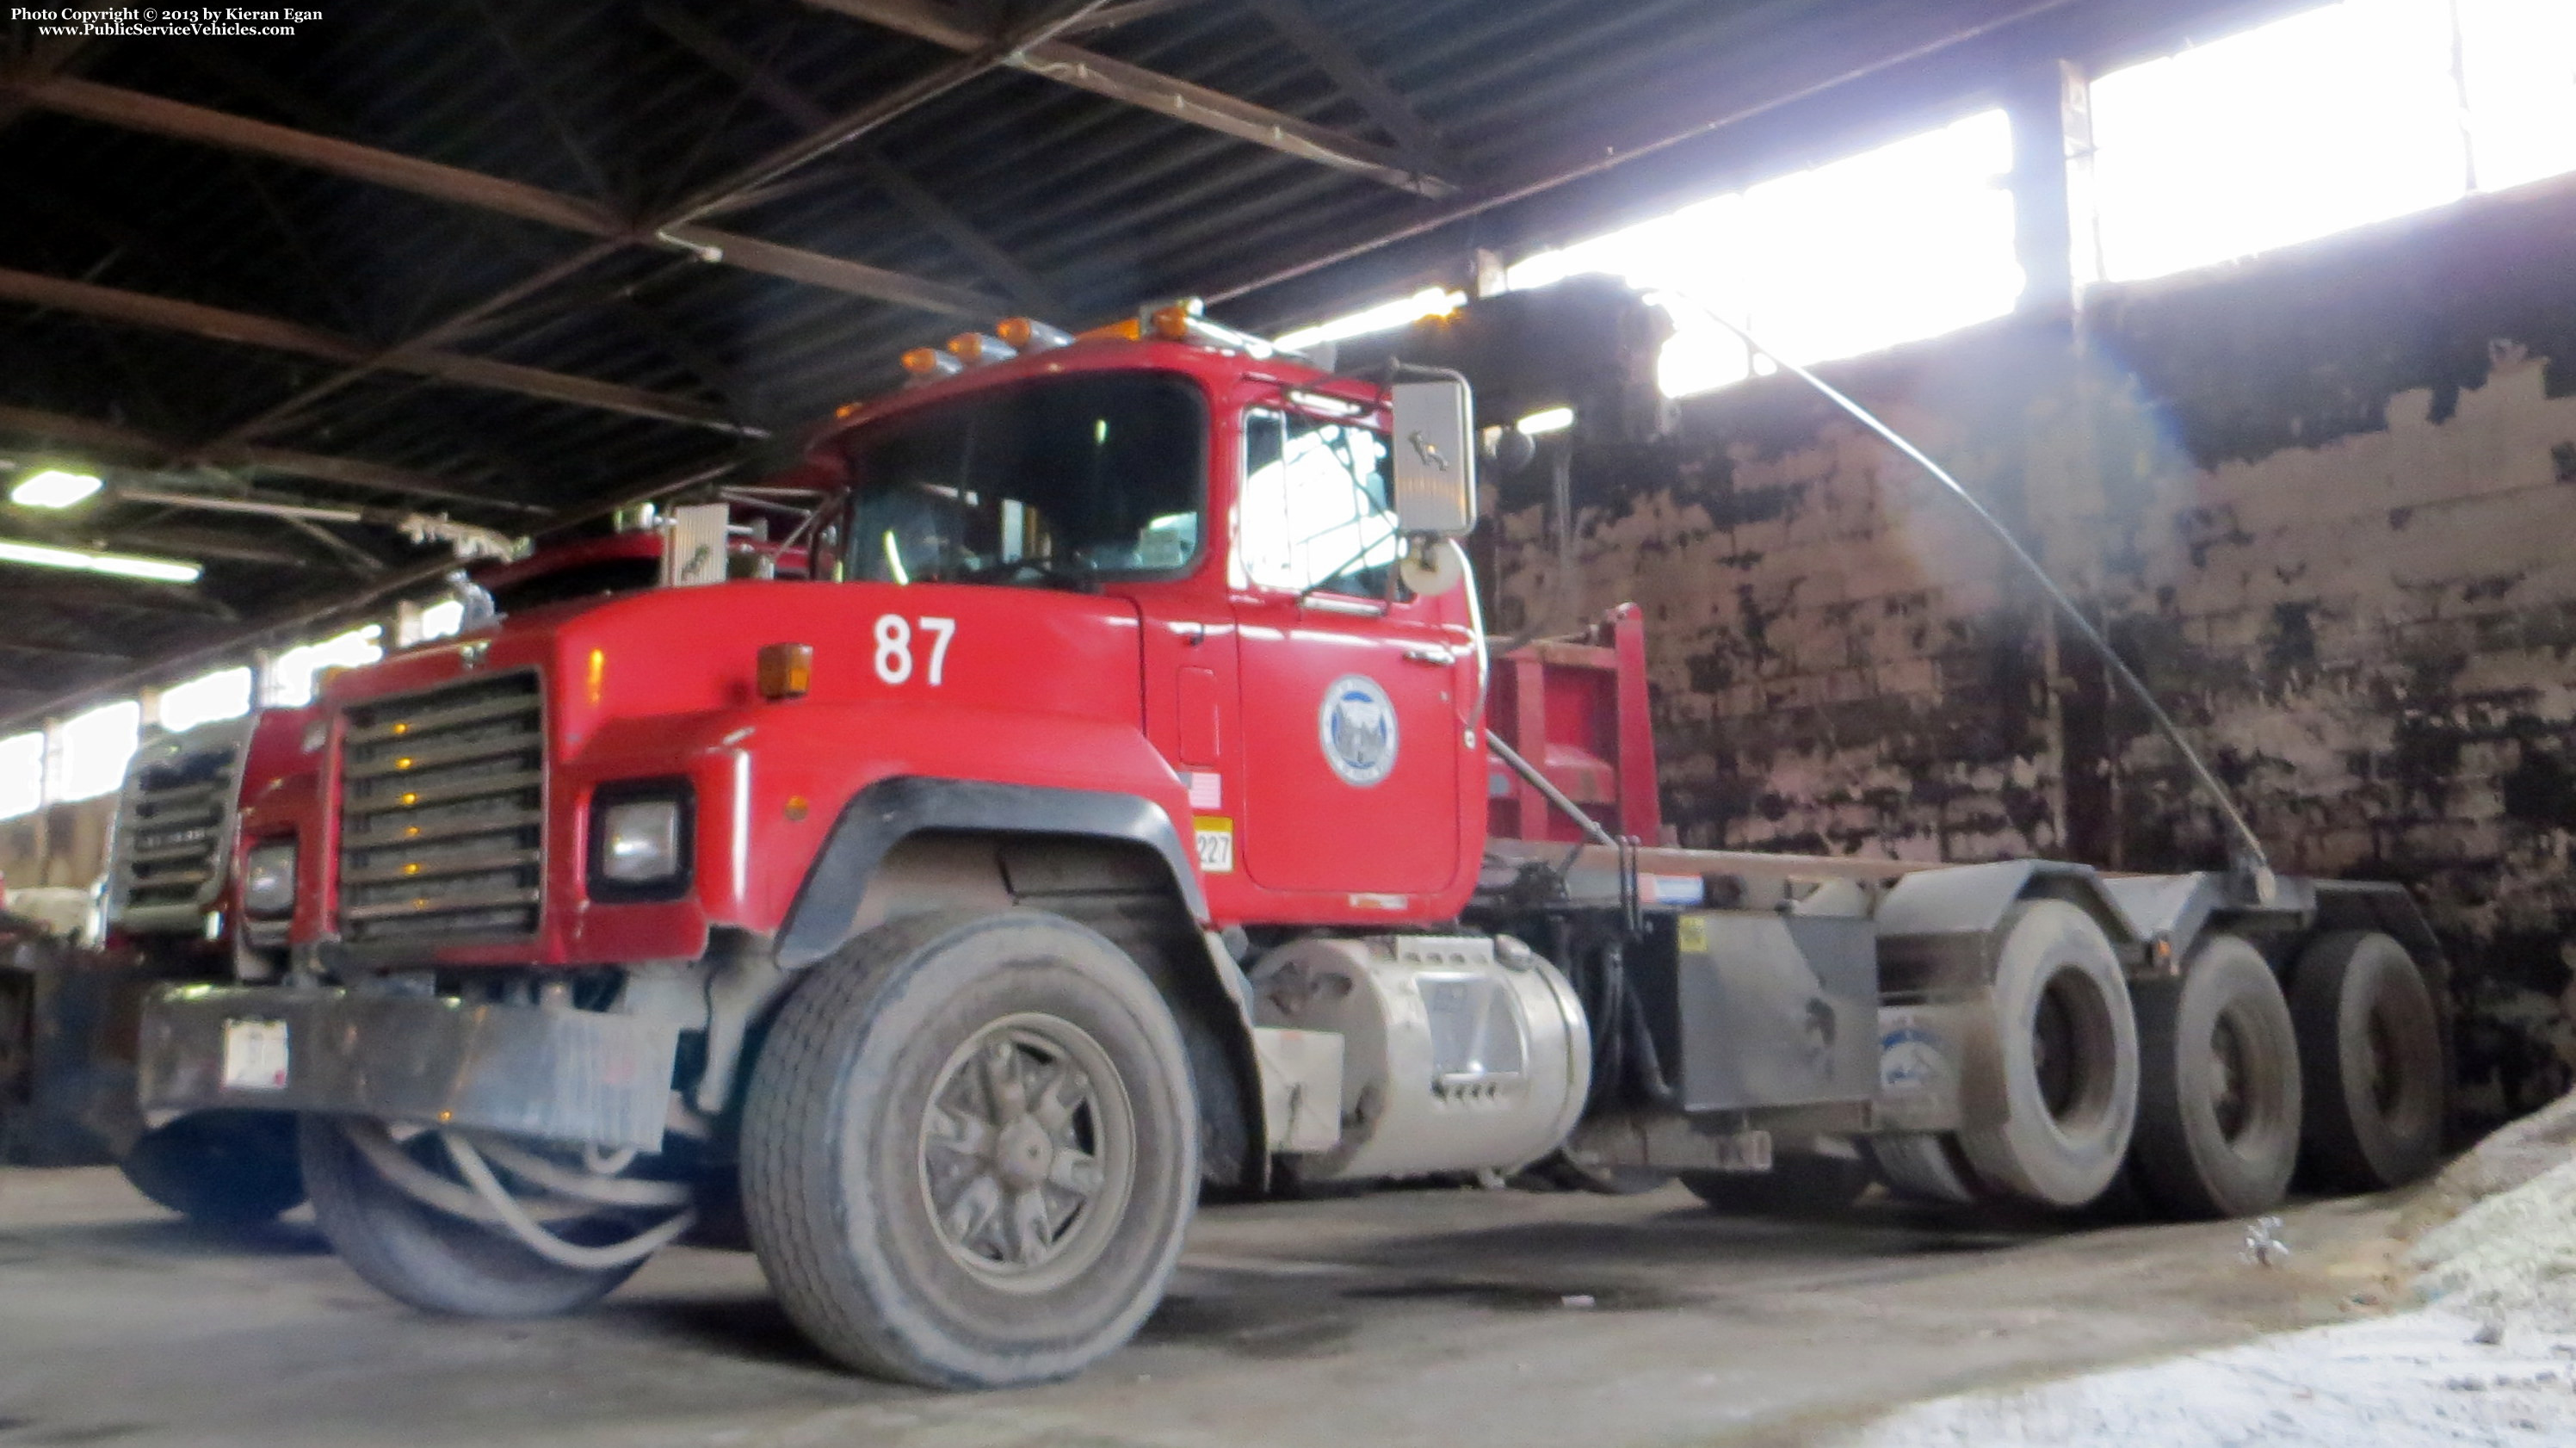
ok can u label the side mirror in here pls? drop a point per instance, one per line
(1435, 457)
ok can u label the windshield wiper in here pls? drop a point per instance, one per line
(1038, 569)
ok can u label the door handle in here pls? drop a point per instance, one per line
(1431, 654)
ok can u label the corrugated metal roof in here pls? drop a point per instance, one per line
(627, 106)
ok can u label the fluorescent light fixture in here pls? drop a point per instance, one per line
(53, 488)
(82, 560)
(1554, 419)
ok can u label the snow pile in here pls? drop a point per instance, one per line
(2510, 1256)
(2491, 1361)
(2427, 1379)
(2509, 1157)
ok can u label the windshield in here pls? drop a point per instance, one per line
(1067, 479)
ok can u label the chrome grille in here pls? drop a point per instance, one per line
(442, 814)
(174, 829)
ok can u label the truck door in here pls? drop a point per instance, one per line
(1352, 713)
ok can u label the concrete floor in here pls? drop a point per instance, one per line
(1401, 1318)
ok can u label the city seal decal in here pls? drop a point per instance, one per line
(1358, 729)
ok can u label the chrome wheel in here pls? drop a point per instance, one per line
(1028, 1152)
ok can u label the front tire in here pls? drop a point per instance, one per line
(224, 1169)
(970, 1150)
(2219, 1090)
(415, 1253)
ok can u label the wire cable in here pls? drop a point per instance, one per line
(2251, 857)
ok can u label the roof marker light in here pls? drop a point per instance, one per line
(975, 349)
(1031, 335)
(1172, 322)
(928, 364)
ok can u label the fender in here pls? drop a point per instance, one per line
(1972, 899)
(820, 919)
(823, 915)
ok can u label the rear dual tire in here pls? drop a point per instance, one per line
(2068, 1046)
(2220, 1103)
(2232, 1084)
(2374, 1071)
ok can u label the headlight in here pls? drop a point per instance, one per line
(639, 842)
(268, 879)
(642, 841)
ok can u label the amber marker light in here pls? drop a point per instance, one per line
(975, 349)
(1028, 334)
(925, 363)
(1172, 323)
(786, 670)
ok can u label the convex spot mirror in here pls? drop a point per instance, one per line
(1509, 449)
(1435, 458)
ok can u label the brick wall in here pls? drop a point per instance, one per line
(2324, 502)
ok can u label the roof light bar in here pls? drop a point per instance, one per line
(84, 560)
(53, 488)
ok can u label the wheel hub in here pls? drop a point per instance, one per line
(1026, 1150)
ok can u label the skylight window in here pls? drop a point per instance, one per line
(22, 774)
(2330, 119)
(2518, 67)
(90, 750)
(1385, 317)
(1906, 241)
(291, 677)
(223, 694)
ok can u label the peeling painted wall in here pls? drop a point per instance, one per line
(2325, 503)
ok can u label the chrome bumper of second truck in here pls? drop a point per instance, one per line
(547, 1073)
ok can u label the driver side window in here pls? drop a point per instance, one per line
(1316, 509)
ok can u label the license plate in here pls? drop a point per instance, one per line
(254, 1055)
(1748, 1151)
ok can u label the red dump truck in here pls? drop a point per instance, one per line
(1128, 801)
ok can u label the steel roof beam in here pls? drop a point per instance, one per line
(134, 110)
(140, 597)
(1164, 95)
(221, 325)
(809, 115)
(725, 193)
(109, 438)
(1357, 79)
(1752, 96)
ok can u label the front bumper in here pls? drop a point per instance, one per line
(543, 1072)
